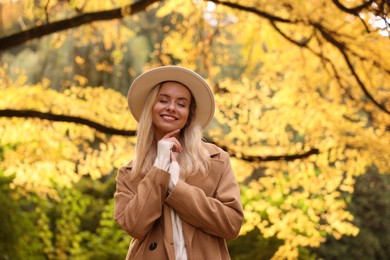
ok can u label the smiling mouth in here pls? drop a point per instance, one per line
(169, 118)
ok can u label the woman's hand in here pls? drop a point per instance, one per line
(171, 137)
(165, 146)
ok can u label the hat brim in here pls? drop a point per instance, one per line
(201, 91)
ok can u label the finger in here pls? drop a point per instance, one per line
(171, 134)
(176, 144)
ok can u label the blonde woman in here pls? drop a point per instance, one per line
(178, 198)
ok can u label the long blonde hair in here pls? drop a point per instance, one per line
(193, 159)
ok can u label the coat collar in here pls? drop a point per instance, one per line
(211, 149)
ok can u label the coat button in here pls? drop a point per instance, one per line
(153, 246)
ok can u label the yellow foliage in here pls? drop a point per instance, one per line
(183, 7)
(89, 103)
(40, 153)
(273, 97)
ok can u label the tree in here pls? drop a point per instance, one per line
(302, 103)
(18, 229)
(370, 204)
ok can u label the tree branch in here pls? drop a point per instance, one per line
(65, 118)
(355, 10)
(113, 131)
(378, 8)
(302, 43)
(49, 28)
(341, 47)
(269, 158)
(254, 11)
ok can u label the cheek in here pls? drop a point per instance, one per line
(155, 112)
(186, 114)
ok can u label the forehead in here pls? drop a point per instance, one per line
(175, 89)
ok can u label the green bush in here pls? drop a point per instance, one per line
(18, 236)
(371, 207)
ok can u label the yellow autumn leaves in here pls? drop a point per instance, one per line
(273, 98)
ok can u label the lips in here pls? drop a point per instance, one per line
(169, 117)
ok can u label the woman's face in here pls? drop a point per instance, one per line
(172, 108)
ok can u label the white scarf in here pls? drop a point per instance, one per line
(163, 162)
(178, 237)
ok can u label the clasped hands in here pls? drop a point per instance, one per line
(166, 159)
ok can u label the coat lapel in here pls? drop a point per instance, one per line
(208, 183)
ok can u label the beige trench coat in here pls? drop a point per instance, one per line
(209, 207)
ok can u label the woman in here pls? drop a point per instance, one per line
(178, 198)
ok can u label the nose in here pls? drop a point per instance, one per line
(171, 106)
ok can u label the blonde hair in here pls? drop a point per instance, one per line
(193, 159)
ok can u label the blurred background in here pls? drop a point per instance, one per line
(303, 108)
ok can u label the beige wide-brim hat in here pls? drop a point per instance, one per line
(201, 91)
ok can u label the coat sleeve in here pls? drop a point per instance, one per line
(220, 215)
(137, 207)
